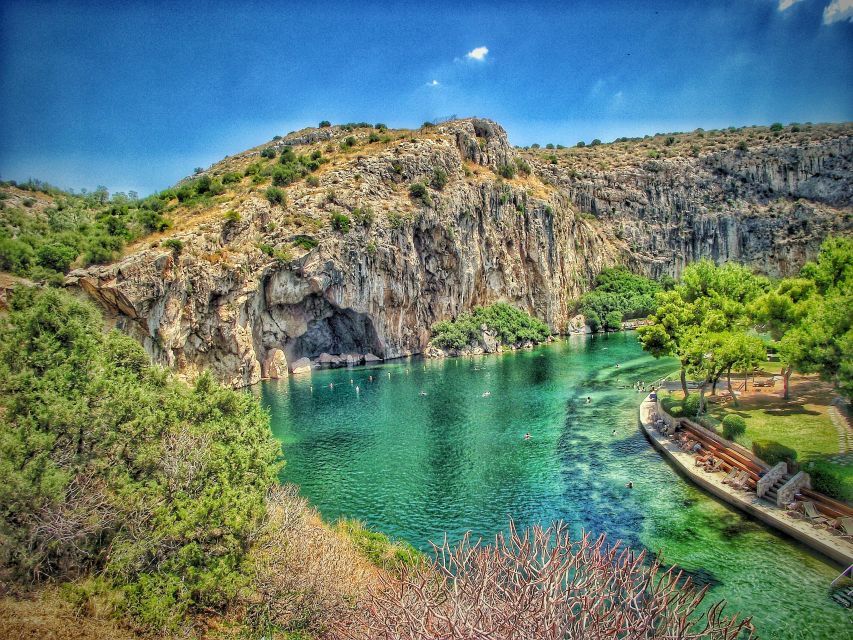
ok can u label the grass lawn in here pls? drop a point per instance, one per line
(801, 423)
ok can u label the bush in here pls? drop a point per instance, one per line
(363, 216)
(742, 146)
(773, 452)
(595, 142)
(594, 321)
(312, 181)
(232, 216)
(581, 144)
(439, 179)
(733, 426)
(231, 177)
(776, 126)
(613, 321)
(174, 244)
(341, 222)
(418, 191)
(269, 152)
(829, 479)
(306, 242)
(676, 411)
(123, 438)
(275, 196)
(691, 405)
(324, 124)
(507, 171)
(510, 325)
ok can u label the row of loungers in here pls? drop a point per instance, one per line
(743, 473)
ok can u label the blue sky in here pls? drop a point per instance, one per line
(134, 95)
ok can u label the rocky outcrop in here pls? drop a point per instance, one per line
(769, 207)
(229, 303)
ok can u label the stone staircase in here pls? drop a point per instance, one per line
(773, 491)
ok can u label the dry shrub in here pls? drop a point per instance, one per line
(306, 576)
(539, 584)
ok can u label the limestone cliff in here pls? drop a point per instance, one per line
(247, 293)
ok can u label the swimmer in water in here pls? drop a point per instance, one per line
(588, 399)
(422, 393)
(370, 378)
(617, 365)
(527, 436)
(630, 485)
(350, 380)
(487, 394)
(331, 385)
(614, 433)
(357, 390)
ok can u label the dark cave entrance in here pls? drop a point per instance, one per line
(336, 332)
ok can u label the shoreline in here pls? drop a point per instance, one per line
(832, 547)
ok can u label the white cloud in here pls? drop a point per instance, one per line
(477, 54)
(838, 11)
(784, 5)
(433, 83)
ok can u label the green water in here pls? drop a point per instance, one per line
(416, 466)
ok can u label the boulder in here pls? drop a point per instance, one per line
(327, 360)
(489, 342)
(353, 359)
(275, 365)
(369, 357)
(303, 365)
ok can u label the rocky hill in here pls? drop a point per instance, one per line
(390, 231)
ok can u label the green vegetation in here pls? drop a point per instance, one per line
(43, 242)
(507, 171)
(341, 222)
(733, 426)
(174, 244)
(276, 196)
(510, 325)
(722, 319)
(306, 242)
(110, 467)
(618, 295)
(704, 322)
(439, 179)
(378, 548)
(419, 191)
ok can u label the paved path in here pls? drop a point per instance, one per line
(845, 435)
(819, 539)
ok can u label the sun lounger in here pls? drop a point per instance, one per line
(846, 525)
(730, 475)
(813, 514)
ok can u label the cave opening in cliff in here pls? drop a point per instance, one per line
(336, 332)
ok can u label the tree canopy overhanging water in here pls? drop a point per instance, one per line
(414, 466)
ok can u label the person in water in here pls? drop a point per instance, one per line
(630, 485)
(613, 433)
(527, 436)
(588, 399)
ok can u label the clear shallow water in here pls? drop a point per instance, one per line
(415, 467)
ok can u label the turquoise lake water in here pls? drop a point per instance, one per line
(416, 466)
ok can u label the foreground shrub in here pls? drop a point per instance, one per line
(733, 426)
(108, 464)
(306, 576)
(341, 222)
(773, 452)
(275, 195)
(539, 583)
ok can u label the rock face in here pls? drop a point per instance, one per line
(226, 305)
(769, 208)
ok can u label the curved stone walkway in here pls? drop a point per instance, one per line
(845, 435)
(819, 539)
